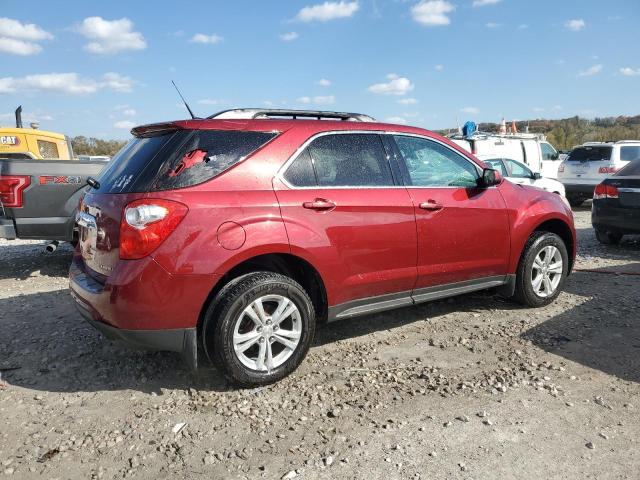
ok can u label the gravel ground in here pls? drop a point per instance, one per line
(472, 387)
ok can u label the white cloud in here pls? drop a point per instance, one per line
(594, 70)
(630, 72)
(210, 101)
(323, 82)
(400, 120)
(23, 31)
(576, 24)
(432, 12)
(523, 26)
(326, 11)
(18, 47)
(318, 100)
(19, 38)
(407, 101)
(124, 124)
(212, 39)
(470, 110)
(117, 82)
(289, 36)
(483, 3)
(110, 36)
(65, 83)
(491, 25)
(395, 86)
(538, 109)
(125, 110)
(439, 67)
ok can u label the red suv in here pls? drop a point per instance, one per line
(234, 235)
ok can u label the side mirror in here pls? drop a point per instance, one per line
(536, 175)
(489, 178)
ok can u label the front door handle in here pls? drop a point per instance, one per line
(431, 205)
(320, 205)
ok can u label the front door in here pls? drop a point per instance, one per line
(463, 230)
(345, 214)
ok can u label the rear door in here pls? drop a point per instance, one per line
(345, 214)
(463, 231)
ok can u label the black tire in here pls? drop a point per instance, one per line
(608, 238)
(524, 292)
(575, 201)
(225, 310)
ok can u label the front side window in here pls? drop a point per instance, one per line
(350, 160)
(431, 164)
(629, 154)
(518, 170)
(548, 152)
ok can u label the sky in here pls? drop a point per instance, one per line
(98, 68)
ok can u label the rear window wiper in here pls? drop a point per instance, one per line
(93, 183)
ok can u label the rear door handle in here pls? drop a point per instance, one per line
(431, 205)
(320, 205)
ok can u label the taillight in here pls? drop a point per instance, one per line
(605, 191)
(561, 168)
(146, 224)
(607, 170)
(11, 189)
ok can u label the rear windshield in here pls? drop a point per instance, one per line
(589, 154)
(631, 170)
(178, 159)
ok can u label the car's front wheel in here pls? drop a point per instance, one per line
(542, 270)
(259, 329)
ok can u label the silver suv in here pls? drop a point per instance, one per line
(590, 163)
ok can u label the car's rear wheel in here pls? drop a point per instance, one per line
(608, 238)
(575, 200)
(542, 271)
(259, 329)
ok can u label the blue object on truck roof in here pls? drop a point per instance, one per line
(469, 128)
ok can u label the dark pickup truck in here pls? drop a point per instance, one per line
(39, 198)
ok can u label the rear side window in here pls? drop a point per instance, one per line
(589, 154)
(300, 173)
(630, 170)
(350, 160)
(629, 154)
(179, 159)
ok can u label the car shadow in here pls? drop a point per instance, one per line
(602, 332)
(19, 262)
(46, 345)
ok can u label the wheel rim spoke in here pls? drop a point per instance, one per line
(537, 282)
(243, 341)
(555, 267)
(286, 342)
(253, 315)
(277, 315)
(286, 314)
(261, 356)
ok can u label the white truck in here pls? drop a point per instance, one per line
(529, 148)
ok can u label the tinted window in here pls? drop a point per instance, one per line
(630, 170)
(176, 160)
(518, 170)
(548, 152)
(497, 164)
(300, 172)
(629, 154)
(350, 160)
(584, 154)
(431, 164)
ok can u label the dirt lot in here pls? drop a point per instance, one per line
(473, 387)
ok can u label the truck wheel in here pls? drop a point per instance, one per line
(575, 201)
(542, 270)
(608, 238)
(260, 329)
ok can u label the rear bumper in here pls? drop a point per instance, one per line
(579, 188)
(143, 305)
(7, 229)
(181, 340)
(614, 218)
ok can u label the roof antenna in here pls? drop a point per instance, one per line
(183, 100)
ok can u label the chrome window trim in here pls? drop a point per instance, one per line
(282, 170)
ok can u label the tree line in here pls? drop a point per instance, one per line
(95, 146)
(566, 133)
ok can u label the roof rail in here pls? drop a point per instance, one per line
(628, 141)
(261, 113)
